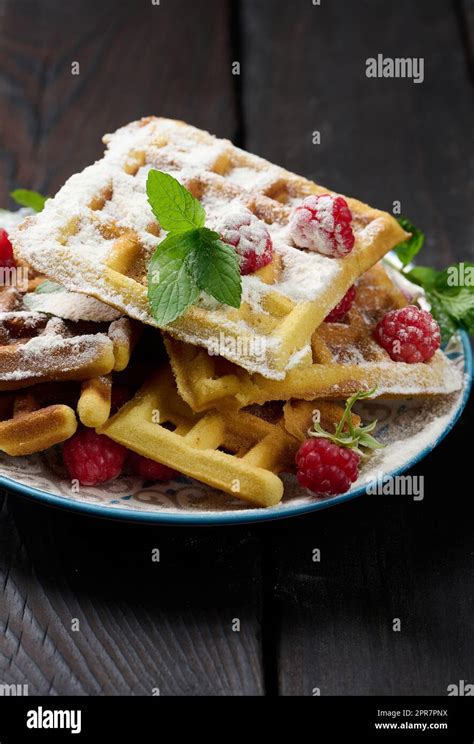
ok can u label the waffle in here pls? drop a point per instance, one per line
(346, 359)
(97, 235)
(298, 416)
(35, 347)
(240, 453)
(34, 420)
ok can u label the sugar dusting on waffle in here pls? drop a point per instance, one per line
(72, 240)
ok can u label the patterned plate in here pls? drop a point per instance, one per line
(409, 428)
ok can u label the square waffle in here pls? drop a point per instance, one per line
(240, 453)
(346, 359)
(37, 347)
(98, 234)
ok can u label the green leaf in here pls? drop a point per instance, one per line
(356, 437)
(215, 267)
(446, 323)
(174, 207)
(456, 278)
(47, 287)
(171, 288)
(459, 306)
(424, 276)
(408, 249)
(368, 441)
(31, 199)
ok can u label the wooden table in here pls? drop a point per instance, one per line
(303, 625)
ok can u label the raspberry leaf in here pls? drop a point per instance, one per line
(174, 207)
(348, 435)
(171, 288)
(31, 199)
(408, 249)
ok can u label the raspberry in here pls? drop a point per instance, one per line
(93, 458)
(409, 335)
(323, 224)
(343, 307)
(326, 468)
(149, 469)
(250, 238)
(6, 250)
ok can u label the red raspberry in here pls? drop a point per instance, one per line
(343, 307)
(323, 224)
(6, 250)
(326, 468)
(149, 469)
(250, 238)
(93, 458)
(409, 335)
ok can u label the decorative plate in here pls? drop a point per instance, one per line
(410, 429)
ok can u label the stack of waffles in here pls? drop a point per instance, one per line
(231, 402)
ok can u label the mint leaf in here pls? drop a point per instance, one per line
(459, 306)
(446, 323)
(47, 287)
(456, 278)
(215, 267)
(31, 199)
(408, 249)
(450, 294)
(171, 288)
(424, 276)
(174, 207)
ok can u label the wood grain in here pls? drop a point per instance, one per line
(381, 140)
(382, 557)
(143, 625)
(304, 625)
(135, 59)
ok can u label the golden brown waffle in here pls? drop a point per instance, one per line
(35, 347)
(240, 453)
(34, 420)
(97, 235)
(346, 358)
(299, 415)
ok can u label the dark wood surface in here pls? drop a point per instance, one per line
(304, 625)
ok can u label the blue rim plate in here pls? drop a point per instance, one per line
(187, 518)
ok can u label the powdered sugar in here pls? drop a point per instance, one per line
(71, 241)
(322, 224)
(10, 220)
(71, 306)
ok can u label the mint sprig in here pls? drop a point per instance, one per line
(174, 207)
(191, 259)
(357, 438)
(409, 248)
(450, 292)
(32, 199)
